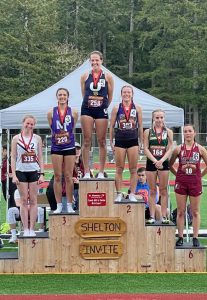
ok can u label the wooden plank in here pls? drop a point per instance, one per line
(190, 260)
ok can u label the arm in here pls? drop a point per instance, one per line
(140, 127)
(82, 82)
(146, 147)
(203, 153)
(110, 81)
(40, 159)
(13, 159)
(49, 117)
(173, 159)
(75, 116)
(112, 124)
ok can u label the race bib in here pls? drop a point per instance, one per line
(95, 101)
(62, 138)
(126, 125)
(189, 170)
(158, 151)
(29, 157)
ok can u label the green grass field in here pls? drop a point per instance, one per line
(103, 284)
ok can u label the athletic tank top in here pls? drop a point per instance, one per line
(27, 151)
(127, 126)
(96, 96)
(158, 143)
(62, 134)
(189, 164)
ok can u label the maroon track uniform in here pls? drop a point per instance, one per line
(188, 177)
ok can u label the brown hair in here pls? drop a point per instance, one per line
(127, 86)
(141, 169)
(98, 53)
(192, 127)
(64, 89)
(29, 117)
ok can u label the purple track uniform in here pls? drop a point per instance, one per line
(62, 134)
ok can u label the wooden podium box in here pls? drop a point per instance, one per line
(104, 237)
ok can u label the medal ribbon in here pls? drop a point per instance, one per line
(159, 138)
(127, 112)
(26, 145)
(190, 152)
(62, 116)
(95, 80)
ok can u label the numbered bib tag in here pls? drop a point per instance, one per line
(28, 157)
(94, 101)
(62, 138)
(158, 151)
(126, 125)
(189, 170)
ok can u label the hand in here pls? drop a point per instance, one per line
(15, 180)
(41, 179)
(159, 164)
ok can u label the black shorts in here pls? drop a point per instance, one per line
(27, 176)
(147, 213)
(64, 152)
(126, 143)
(150, 166)
(95, 113)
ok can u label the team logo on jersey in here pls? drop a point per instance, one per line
(95, 89)
(67, 119)
(133, 113)
(102, 82)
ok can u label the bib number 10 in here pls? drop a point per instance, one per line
(189, 171)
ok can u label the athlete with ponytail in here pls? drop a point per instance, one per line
(158, 141)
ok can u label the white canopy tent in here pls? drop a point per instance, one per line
(40, 104)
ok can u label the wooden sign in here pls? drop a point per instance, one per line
(105, 249)
(96, 199)
(100, 227)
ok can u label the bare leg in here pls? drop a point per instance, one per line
(132, 154)
(23, 191)
(101, 131)
(120, 155)
(87, 124)
(195, 207)
(181, 207)
(57, 161)
(163, 191)
(151, 180)
(33, 190)
(69, 162)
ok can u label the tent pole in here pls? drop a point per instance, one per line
(7, 171)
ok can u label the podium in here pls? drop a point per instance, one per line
(104, 237)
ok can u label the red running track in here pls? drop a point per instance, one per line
(108, 297)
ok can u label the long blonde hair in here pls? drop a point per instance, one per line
(155, 111)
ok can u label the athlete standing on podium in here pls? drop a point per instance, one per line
(188, 180)
(97, 91)
(128, 135)
(62, 121)
(158, 141)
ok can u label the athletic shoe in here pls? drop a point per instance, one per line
(179, 242)
(87, 176)
(165, 221)
(32, 233)
(118, 198)
(13, 240)
(100, 175)
(151, 220)
(26, 232)
(41, 230)
(196, 242)
(59, 209)
(70, 209)
(132, 198)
